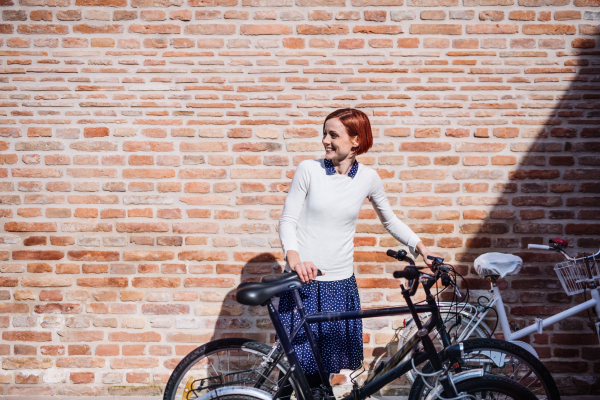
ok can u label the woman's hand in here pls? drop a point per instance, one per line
(424, 251)
(307, 271)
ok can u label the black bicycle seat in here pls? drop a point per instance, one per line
(257, 293)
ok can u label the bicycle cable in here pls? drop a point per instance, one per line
(489, 308)
(454, 302)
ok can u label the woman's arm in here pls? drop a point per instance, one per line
(398, 229)
(288, 223)
(294, 201)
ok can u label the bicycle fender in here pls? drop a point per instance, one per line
(247, 391)
(461, 376)
(526, 346)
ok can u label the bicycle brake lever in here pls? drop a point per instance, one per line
(456, 291)
(437, 261)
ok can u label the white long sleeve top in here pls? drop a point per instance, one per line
(320, 213)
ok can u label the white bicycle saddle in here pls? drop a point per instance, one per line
(498, 264)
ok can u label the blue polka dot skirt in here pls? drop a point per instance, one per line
(340, 342)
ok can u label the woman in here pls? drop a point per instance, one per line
(317, 230)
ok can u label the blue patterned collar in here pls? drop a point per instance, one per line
(330, 169)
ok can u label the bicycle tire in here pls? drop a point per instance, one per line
(450, 319)
(478, 354)
(487, 385)
(206, 365)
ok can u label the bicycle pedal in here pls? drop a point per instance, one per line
(321, 393)
(514, 326)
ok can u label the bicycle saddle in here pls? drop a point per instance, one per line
(257, 293)
(498, 264)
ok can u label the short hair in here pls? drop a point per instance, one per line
(357, 124)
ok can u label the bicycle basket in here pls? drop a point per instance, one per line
(574, 275)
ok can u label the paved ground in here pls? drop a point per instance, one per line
(159, 398)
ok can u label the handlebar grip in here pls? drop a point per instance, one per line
(400, 256)
(409, 273)
(539, 246)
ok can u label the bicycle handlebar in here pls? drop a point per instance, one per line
(561, 250)
(400, 256)
(409, 273)
(539, 246)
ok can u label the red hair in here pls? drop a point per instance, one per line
(357, 124)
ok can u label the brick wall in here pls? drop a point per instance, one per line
(147, 146)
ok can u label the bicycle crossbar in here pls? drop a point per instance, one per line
(508, 335)
(360, 314)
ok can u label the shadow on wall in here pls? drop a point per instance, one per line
(554, 191)
(231, 321)
(552, 139)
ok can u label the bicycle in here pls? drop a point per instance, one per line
(576, 275)
(251, 370)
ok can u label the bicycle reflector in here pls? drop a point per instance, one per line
(188, 389)
(561, 242)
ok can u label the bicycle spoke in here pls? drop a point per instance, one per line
(214, 369)
(514, 371)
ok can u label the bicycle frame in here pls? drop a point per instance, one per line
(496, 301)
(537, 327)
(540, 323)
(476, 314)
(382, 378)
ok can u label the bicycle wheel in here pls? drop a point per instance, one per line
(493, 387)
(456, 327)
(234, 362)
(499, 358)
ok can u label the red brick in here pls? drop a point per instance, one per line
(138, 377)
(410, 43)
(52, 350)
(134, 362)
(82, 377)
(79, 350)
(107, 350)
(26, 378)
(134, 337)
(22, 350)
(134, 349)
(155, 282)
(435, 29)
(549, 29)
(24, 336)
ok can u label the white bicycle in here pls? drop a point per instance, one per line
(464, 321)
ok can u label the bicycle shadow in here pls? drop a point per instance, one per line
(250, 322)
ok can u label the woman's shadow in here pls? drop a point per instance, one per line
(250, 322)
